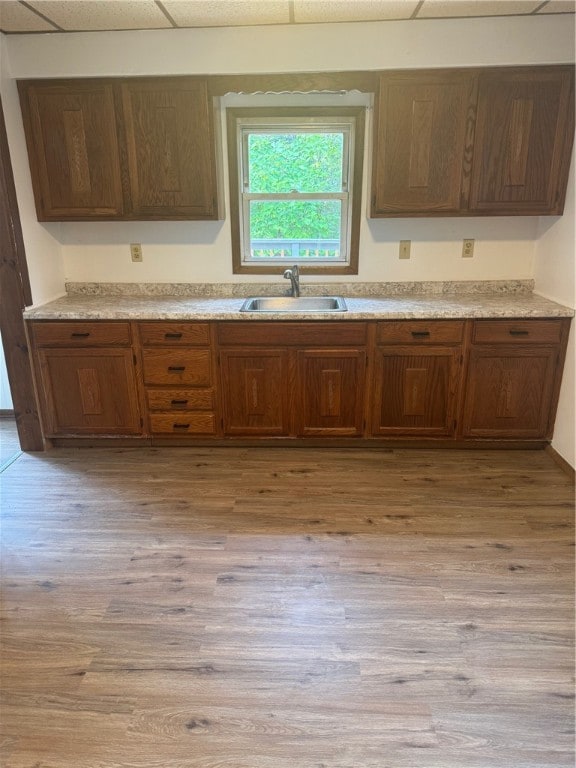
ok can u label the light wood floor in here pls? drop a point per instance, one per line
(287, 608)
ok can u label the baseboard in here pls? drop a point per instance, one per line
(561, 462)
(6, 413)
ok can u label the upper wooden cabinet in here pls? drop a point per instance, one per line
(138, 148)
(524, 133)
(169, 138)
(422, 135)
(73, 149)
(475, 142)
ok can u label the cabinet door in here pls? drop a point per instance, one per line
(170, 143)
(415, 391)
(73, 149)
(509, 392)
(524, 133)
(254, 391)
(422, 141)
(89, 392)
(331, 397)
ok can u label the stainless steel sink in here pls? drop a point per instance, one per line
(293, 304)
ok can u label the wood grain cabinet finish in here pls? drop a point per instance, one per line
(123, 148)
(170, 145)
(473, 142)
(73, 149)
(85, 386)
(524, 134)
(309, 384)
(179, 381)
(423, 142)
(513, 379)
(416, 379)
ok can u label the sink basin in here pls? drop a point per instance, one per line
(291, 304)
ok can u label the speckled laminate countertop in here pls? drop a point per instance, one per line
(396, 307)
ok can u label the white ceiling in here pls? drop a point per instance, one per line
(21, 16)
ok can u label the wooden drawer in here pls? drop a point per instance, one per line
(169, 334)
(420, 331)
(178, 367)
(186, 423)
(517, 331)
(79, 334)
(287, 333)
(180, 399)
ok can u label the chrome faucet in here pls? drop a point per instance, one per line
(294, 276)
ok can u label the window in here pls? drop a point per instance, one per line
(295, 185)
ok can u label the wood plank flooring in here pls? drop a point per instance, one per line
(287, 608)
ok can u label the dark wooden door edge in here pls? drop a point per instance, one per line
(15, 294)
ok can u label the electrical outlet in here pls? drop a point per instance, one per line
(136, 251)
(404, 252)
(467, 249)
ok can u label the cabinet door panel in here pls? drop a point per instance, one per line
(169, 136)
(73, 149)
(422, 141)
(521, 156)
(509, 392)
(254, 391)
(331, 392)
(415, 391)
(89, 391)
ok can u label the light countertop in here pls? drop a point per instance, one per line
(395, 307)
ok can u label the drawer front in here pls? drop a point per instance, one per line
(180, 399)
(187, 423)
(177, 367)
(517, 331)
(287, 333)
(420, 331)
(170, 334)
(78, 334)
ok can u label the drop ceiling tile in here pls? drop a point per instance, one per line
(559, 6)
(74, 15)
(308, 11)
(432, 9)
(227, 13)
(17, 18)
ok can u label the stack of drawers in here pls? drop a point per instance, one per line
(178, 371)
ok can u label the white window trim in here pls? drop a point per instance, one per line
(352, 118)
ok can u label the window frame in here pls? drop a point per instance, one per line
(262, 116)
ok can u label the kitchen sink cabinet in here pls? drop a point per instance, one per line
(86, 379)
(439, 380)
(310, 384)
(255, 392)
(416, 380)
(123, 148)
(473, 142)
(513, 378)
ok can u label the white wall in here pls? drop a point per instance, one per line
(5, 396)
(555, 276)
(200, 251)
(43, 251)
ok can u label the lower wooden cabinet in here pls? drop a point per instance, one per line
(331, 393)
(89, 392)
(254, 392)
(513, 378)
(415, 391)
(179, 380)
(444, 380)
